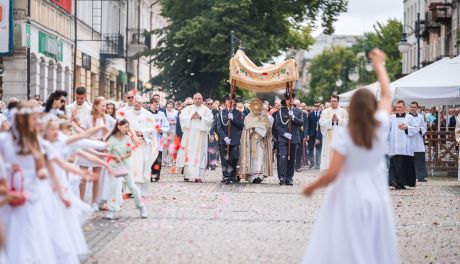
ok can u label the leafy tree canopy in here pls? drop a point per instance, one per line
(338, 62)
(194, 49)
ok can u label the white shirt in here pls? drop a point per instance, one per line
(399, 140)
(416, 132)
(162, 122)
(172, 116)
(83, 110)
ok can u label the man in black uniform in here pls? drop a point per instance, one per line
(229, 145)
(286, 138)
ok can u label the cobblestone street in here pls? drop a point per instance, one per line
(266, 223)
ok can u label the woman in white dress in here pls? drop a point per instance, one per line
(355, 224)
(97, 118)
(170, 136)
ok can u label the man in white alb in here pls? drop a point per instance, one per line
(145, 149)
(196, 121)
(401, 152)
(416, 133)
(331, 119)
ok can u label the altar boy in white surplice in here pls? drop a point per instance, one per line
(196, 121)
(331, 119)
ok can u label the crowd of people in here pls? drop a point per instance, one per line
(61, 161)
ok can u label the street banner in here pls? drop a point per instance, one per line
(65, 4)
(6, 27)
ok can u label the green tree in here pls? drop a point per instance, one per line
(194, 49)
(325, 69)
(337, 62)
(385, 37)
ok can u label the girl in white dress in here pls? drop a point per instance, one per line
(97, 118)
(63, 147)
(170, 136)
(355, 224)
(29, 236)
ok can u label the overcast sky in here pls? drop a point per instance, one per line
(363, 14)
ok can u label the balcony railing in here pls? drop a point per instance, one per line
(430, 23)
(112, 45)
(141, 39)
(441, 12)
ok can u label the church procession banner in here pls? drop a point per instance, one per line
(6, 27)
(261, 79)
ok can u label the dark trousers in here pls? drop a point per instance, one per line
(285, 166)
(229, 162)
(402, 170)
(420, 165)
(311, 147)
(212, 154)
(156, 166)
(298, 157)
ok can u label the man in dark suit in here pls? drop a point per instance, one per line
(160, 107)
(287, 137)
(229, 144)
(313, 128)
(302, 137)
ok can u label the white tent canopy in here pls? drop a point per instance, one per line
(436, 84)
(346, 97)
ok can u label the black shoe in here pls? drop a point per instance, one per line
(257, 180)
(282, 182)
(223, 180)
(297, 170)
(186, 179)
(157, 178)
(290, 182)
(422, 180)
(152, 179)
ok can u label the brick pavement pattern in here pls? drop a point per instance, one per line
(267, 223)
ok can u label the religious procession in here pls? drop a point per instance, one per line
(62, 162)
(128, 134)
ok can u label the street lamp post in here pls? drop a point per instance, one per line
(404, 46)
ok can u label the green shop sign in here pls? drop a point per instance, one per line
(50, 46)
(122, 78)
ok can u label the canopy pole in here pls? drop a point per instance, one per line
(229, 129)
(289, 88)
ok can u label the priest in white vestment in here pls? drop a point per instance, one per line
(256, 151)
(196, 121)
(145, 150)
(400, 150)
(331, 119)
(416, 132)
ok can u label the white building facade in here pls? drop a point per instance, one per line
(439, 31)
(47, 34)
(109, 35)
